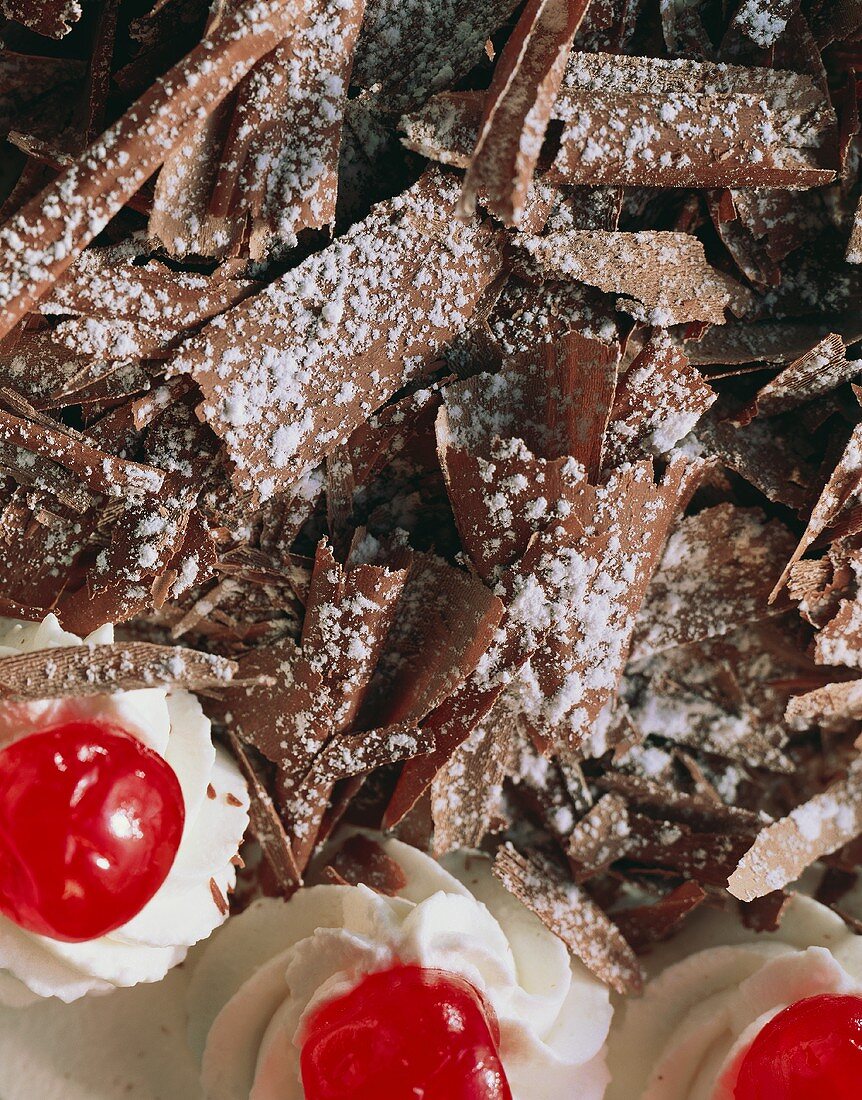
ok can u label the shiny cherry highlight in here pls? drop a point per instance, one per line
(407, 1033)
(90, 823)
(812, 1050)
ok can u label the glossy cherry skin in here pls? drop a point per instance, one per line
(406, 1033)
(812, 1050)
(90, 823)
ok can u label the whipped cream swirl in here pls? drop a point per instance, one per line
(716, 985)
(269, 968)
(183, 910)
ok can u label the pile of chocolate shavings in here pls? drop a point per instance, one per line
(471, 417)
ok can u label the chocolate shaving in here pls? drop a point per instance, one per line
(783, 850)
(658, 400)
(819, 371)
(650, 122)
(718, 570)
(104, 669)
(361, 860)
(570, 914)
(663, 277)
(279, 163)
(265, 824)
(518, 105)
(339, 334)
(764, 914)
(843, 486)
(94, 188)
(644, 925)
(53, 18)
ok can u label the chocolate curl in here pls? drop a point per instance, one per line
(783, 850)
(832, 707)
(107, 284)
(569, 913)
(100, 472)
(52, 18)
(467, 791)
(70, 671)
(820, 370)
(181, 218)
(555, 401)
(445, 622)
(446, 127)
(302, 719)
(409, 49)
(766, 456)
(289, 374)
(725, 696)
(279, 165)
(535, 592)
(644, 925)
(45, 237)
(579, 668)
(518, 107)
(854, 245)
(265, 825)
(640, 121)
(666, 274)
(718, 570)
(658, 401)
(362, 860)
(843, 486)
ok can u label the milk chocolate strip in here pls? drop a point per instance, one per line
(103, 669)
(279, 164)
(100, 471)
(666, 273)
(819, 371)
(783, 850)
(844, 484)
(265, 824)
(645, 121)
(643, 925)
(52, 18)
(46, 236)
(719, 568)
(570, 914)
(658, 400)
(518, 105)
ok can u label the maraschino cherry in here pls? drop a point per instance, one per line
(90, 823)
(407, 1033)
(812, 1050)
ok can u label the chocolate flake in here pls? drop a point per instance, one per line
(518, 105)
(570, 914)
(105, 669)
(813, 829)
(335, 337)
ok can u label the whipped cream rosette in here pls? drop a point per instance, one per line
(716, 987)
(162, 737)
(266, 980)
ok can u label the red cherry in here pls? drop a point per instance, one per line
(90, 823)
(404, 1034)
(810, 1051)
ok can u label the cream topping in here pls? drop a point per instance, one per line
(263, 974)
(715, 986)
(183, 911)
